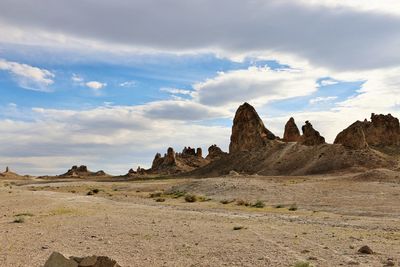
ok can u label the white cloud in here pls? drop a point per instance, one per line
(176, 91)
(29, 77)
(322, 99)
(77, 79)
(95, 85)
(128, 84)
(258, 85)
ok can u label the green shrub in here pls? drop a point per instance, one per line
(258, 204)
(155, 194)
(279, 206)
(302, 264)
(190, 198)
(293, 207)
(226, 201)
(160, 199)
(241, 202)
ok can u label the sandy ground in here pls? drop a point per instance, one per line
(335, 216)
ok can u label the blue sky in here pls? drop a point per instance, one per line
(75, 90)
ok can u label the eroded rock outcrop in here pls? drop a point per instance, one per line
(248, 130)
(82, 171)
(352, 137)
(292, 133)
(382, 130)
(171, 162)
(310, 137)
(215, 153)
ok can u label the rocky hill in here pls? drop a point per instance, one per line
(256, 150)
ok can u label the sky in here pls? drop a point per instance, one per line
(108, 84)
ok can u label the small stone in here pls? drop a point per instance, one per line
(45, 247)
(365, 250)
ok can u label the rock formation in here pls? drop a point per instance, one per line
(310, 136)
(215, 153)
(382, 130)
(82, 171)
(248, 130)
(352, 137)
(172, 162)
(292, 133)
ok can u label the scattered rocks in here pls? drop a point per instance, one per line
(58, 260)
(310, 136)
(248, 130)
(365, 250)
(292, 133)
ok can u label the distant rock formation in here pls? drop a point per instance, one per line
(352, 137)
(172, 162)
(381, 131)
(292, 133)
(215, 153)
(82, 171)
(248, 130)
(310, 136)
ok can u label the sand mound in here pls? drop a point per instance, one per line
(378, 175)
(280, 158)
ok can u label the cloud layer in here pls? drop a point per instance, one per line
(337, 38)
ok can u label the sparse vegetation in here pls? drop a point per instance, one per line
(226, 201)
(293, 207)
(259, 204)
(27, 214)
(235, 228)
(190, 198)
(19, 219)
(155, 194)
(160, 199)
(177, 194)
(241, 202)
(279, 206)
(93, 191)
(302, 264)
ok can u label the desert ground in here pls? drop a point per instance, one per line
(322, 220)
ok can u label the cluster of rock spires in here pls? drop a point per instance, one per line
(255, 149)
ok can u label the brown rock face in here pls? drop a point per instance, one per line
(248, 130)
(292, 133)
(382, 130)
(163, 162)
(352, 137)
(310, 136)
(215, 153)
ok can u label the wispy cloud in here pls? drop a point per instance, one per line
(29, 77)
(176, 91)
(322, 99)
(128, 84)
(95, 85)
